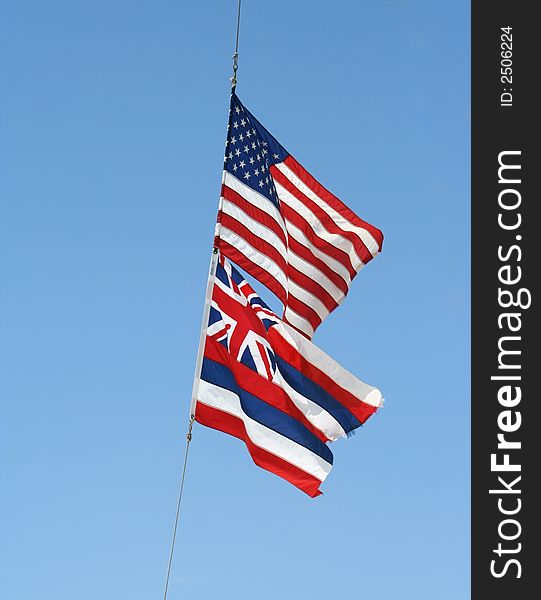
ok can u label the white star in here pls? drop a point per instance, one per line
(266, 180)
(247, 175)
(241, 137)
(230, 155)
(235, 167)
(265, 144)
(276, 156)
(252, 160)
(237, 152)
(233, 140)
(237, 110)
(248, 133)
(258, 157)
(246, 149)
(236, 125)
(256, 172)
(243, 122)
(254, 146)
(253, 131)
(261, 184)
(241, 164)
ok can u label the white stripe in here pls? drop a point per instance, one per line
(255, 198)
(308, 298)
(255, 256)
(299, 322)
(261, 202)
(318, 228)
(254, 226)
(294, 288)
(314, 413)
(270, 237)
(314, 355)
(338, 218)
(267, 439)
(330, 261)
(316, 275)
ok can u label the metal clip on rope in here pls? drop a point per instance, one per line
(189, 434)
(235, 68)
(236, 55)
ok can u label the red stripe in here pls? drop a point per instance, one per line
(312, 286)
(291, 355)
(320, 243)
(222, 421)
(303, 333)
(266, 220)
(334, 202)
(254, 240)
(330, 225)
(271, 282)
(259, 386)
(255, 213)
(304, 311)
(305, 253)
(269, 250)
(255, 270)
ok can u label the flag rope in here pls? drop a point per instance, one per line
(179, 501)
(236, 54)
(199, 360)
(206, 312)
(195, 389)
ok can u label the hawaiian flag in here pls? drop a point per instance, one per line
(272, 388)
(284, 228)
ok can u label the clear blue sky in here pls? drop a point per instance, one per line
(113, 122)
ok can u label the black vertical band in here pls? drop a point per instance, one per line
(506, 359)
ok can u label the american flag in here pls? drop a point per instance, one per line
(284, 228)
